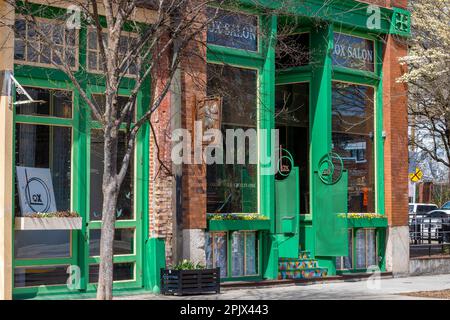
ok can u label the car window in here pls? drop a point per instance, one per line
(425, 208)
(438, 214)
(446, 205)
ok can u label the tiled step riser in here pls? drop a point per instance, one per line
(302, 274)
(302, 268)
(296, 265)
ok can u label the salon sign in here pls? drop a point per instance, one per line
(353, 52)
(233, 30)
(35, 189)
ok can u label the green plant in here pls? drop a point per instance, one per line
(237, 216)
(354, 215)
(187, 265)
(58, 214)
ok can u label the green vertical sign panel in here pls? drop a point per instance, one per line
(329, 219)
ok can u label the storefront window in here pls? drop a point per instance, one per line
(123, 242)
(353, 139)
(125, 199)
(216, 252)
(40, 146)
(37, 276)
(54, 103)
(292, 122)
(244, 253)
(363, 243)
(232, 188)
(121, 272)
(292, 51)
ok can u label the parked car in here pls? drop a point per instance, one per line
(422, 208)
(417, 211)
(432, 224)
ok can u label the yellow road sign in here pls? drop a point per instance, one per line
(416, 176)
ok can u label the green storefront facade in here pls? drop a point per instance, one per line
(325, 216)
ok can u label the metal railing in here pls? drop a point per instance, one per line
(429, 235)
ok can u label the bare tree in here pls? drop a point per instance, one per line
(171, 31)
(429, 80)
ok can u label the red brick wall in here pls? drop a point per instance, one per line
(396, 126)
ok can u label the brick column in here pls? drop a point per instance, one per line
(161, 211)
(193, 194)
(395, 122)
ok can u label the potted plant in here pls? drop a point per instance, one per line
(188, 277)
(61, 220)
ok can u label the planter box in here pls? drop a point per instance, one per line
(181, 282)
(234, 225)
(28, 223)
(368, 223)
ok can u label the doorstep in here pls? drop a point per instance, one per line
(230, 285)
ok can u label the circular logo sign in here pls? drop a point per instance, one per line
(37, 195)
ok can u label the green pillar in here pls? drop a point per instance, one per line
(267, 121)
(155, 260)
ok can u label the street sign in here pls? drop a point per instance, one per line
(416, 176)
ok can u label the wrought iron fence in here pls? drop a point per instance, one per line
(429, 235)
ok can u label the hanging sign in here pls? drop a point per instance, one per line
(353, 52)
(233, 30)
(35, 188)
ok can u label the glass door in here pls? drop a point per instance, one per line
(127, 239)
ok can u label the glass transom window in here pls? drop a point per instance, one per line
(30, 48)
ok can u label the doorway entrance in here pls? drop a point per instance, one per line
(292, 121)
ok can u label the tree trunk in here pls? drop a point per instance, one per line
(110, 193)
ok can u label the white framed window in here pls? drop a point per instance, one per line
(94, 63)
(30, 49)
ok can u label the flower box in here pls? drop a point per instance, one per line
(52, 223)
(234, 225)
(379, 222)
(182, 282)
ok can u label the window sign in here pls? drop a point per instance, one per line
(353, 52)
(35, 190)
(233, 30)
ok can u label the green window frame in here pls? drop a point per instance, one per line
(51, 78)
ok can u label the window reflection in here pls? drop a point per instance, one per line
(232, 188)
(42, 146)
(123, 242)
(353, 140)
(125, 199)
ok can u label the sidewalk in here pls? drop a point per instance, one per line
(388, 289)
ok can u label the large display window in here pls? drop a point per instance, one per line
(353, 134)
(232, 187)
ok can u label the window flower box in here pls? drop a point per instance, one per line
(365, 220)
(182, 282)
(49, 221)
(234, 222)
